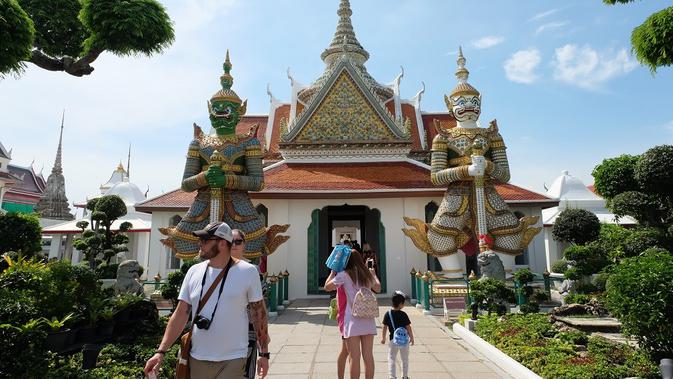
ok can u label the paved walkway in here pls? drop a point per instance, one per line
(305, 344)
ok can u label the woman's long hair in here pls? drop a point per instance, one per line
(357, 270)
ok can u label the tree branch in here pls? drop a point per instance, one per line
(79, 67)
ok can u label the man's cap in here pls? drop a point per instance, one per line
(215, 229)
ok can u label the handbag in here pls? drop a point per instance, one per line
(400, 335)
(338, 258)
(182, 367)
(365, 304)
(333, 309)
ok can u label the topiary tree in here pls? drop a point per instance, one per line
(652, 41)
(615, 175)
(577, 226)
(69, 35)
(171, 290)
(639, 292)
(21, 233)
(531, 297)
(491, 295)
(588, 259)
(640, 187)
(100, 243)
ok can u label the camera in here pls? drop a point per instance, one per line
(202, 322)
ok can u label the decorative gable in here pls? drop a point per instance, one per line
(346, 111)
(344, 115)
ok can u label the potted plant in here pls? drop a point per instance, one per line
(93, 309)
(59, 335)
(106, 323)
(122, 303)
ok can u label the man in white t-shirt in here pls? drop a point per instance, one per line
(220, 336)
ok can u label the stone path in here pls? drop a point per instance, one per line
(305, 344)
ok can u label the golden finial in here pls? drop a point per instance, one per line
(413, 271)
(472, 276)
(286, 273)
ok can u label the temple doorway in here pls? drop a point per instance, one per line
(332, 224)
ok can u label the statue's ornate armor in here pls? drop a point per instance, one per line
(243, 165)
(454, 223)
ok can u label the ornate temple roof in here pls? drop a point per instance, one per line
(345, 45)
(4, 153)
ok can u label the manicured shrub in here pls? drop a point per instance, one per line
(559, 266)
(640, 293)
(615, 175)
(491, 294)
(589, 259)
(577, 226)
(20, 233)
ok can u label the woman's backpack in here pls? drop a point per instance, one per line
(400, 335)
(365, 304)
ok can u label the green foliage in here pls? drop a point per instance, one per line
(23, 354)
(171, 290)
(654, 169)
(58, 32)
(600, 280)
(640, 293)
(642, 239)
(16, 37)
(21, 233)
(107, 271)
(577, 226)
(577, 298)
(559, 266)
(531, 296)
(653, 40)
(56, 324)
(100, 243)
(128, 27)
(491, 294)
(589, 259)
(524, 276)
(645, 208)
(615, 175)
(535, 343)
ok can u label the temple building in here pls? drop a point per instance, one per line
(54, 203)
(21, 188)
(346, 155)
(573, 194)
(63, 234)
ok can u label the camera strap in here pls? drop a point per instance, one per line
(222, 276)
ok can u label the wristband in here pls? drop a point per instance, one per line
(265, 355)
(162, 352)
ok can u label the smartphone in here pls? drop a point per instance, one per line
(370, 264)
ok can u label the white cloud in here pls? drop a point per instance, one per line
(587, 68)
(520, 66)
(488, 41)
(551, 26)
(543, 14)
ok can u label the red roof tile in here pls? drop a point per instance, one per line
(324, 180)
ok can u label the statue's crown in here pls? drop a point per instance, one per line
(226, 80)
(463, 87)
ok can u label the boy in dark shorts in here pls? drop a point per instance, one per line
(397, 324)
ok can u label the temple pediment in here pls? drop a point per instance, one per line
(345, 111)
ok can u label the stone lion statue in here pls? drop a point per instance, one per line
(491, 266)
(128, 273)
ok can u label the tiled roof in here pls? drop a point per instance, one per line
(318, 180)
(28, 180)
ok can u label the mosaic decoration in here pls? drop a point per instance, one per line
(225, 165)
(344, 115)
(453, 152)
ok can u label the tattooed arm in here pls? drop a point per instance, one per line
(259, 320)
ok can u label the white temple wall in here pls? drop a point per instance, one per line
(401, 254)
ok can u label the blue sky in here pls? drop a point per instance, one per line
(558, 76)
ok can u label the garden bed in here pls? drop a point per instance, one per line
(535, 343)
